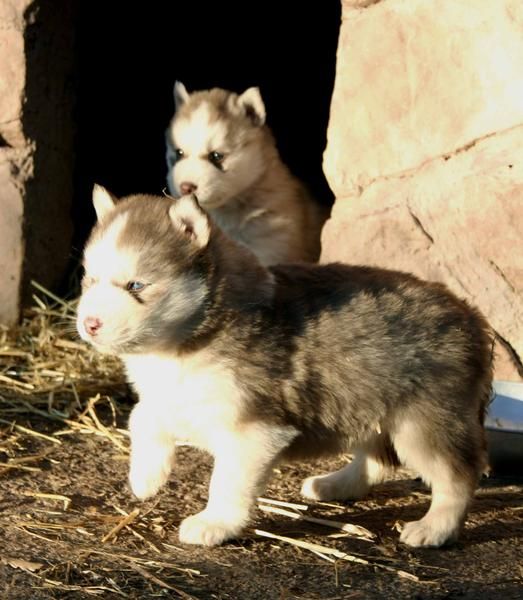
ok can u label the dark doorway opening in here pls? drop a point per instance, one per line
(129, 56)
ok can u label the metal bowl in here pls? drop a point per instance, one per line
(504, 424)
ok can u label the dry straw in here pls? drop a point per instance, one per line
(46, 371)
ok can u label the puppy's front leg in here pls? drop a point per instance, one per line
(152, 451)
(242, 464)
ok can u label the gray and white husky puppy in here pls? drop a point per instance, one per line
(258, 365)
(219, 147)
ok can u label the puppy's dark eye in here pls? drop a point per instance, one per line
(215, 157)
(178, 154)
(135, 286)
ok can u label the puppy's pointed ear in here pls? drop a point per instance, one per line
(188, 218)
(252, 103)
(103, 202)
(181, 95)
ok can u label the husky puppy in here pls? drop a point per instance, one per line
(219, 147)
(259, 365)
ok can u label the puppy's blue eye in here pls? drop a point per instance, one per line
(173, 156)
(135, 286)
(215, 157)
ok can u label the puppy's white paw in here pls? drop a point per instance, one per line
(332, 487)
(146, 482)
(203, 529)
(428, 532)
(315, 489)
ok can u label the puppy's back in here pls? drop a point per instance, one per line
(344, 349)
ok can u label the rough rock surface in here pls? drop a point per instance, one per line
(36, 140)
(12, 154)
(425, 148)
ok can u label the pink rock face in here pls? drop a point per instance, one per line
(417, 79)
(36, 148)
(12, 83)
(459, 221)
(11, 248)
(425, 152)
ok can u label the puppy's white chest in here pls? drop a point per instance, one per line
(194, 399)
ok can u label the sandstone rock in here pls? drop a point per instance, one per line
(12, 71)
(424, 151)
(11, 247)
(459, 221)
(418, 79)
(36, 158)
(12, 81)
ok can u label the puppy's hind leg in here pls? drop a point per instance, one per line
(452, 471)
(370, 465)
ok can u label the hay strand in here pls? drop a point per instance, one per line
(284, 504)
(126, 520)
(353, 530)
(333, 552)
(49, 438)
(144, 573)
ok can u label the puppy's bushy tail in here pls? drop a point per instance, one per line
(486, 390)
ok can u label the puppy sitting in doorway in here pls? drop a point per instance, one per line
(219, 147)
(260, 365)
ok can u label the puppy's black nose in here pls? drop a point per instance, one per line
(187, 187)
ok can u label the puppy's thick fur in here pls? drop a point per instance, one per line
(257, 365)
(219, 146)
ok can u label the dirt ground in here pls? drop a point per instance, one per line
(62, 494)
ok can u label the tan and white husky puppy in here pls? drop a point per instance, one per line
(259, 365)
(219, 147)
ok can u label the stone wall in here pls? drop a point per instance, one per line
(425, 148)
(36, 146)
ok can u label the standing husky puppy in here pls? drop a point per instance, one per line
(256, 365)
(219, 147)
